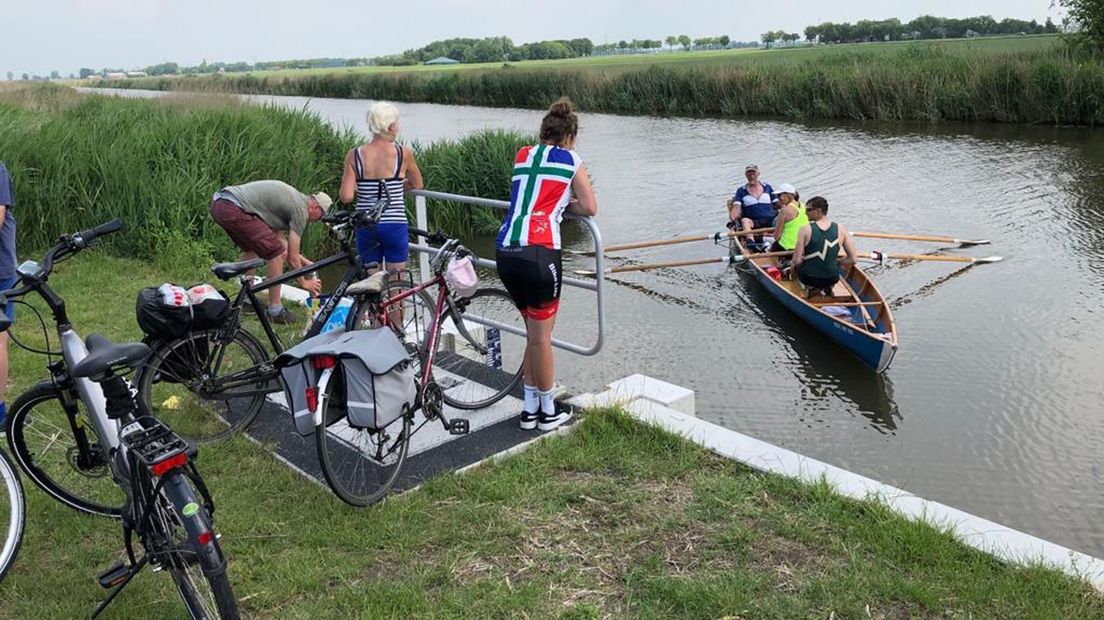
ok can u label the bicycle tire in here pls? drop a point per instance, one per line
(198, 569)
(23, 432)
(172, 382)
(340, 454)
(471, 384)
(13, 510)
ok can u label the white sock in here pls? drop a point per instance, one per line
(274, 310)
(532, 402)
(547, 406)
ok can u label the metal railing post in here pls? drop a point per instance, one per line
(423, 222)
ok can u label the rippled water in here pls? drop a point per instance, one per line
(994, 403)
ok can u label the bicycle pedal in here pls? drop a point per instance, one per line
(113, 576)
(458, 426)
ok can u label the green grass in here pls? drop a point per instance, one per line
(616, 519)
(1012, 79)
(78, 161)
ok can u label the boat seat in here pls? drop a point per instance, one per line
(373, 284)
(225, 271)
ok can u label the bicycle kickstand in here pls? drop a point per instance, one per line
(117, 577)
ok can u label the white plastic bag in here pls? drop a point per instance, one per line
(461, 277)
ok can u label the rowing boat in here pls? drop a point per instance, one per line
(856, 316)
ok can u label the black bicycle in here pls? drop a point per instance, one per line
(83, 433)
(209, 385)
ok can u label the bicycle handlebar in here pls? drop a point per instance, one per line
(85, 238)
(438, 237)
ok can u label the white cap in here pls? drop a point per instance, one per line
(323, 199)
(784, 188)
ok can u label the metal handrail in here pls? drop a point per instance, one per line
(596, 285)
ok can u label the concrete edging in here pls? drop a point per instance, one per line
(982, 534)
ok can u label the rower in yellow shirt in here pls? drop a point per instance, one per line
(791, 218)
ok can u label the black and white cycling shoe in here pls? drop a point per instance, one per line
(563, 415)
(528, 421)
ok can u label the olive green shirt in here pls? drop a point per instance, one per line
(280, 205)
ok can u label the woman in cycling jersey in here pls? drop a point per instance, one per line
(377, 175)
(549, 178)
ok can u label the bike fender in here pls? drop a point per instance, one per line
(323, 382)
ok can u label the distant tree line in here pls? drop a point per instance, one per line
(1085, 13)
(924, 27)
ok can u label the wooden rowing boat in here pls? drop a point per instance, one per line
(866, 329)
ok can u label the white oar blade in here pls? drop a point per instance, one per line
(990, 259)
(585, 272)
(965, 243)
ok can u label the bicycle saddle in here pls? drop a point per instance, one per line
(106, 357)
(372, 284)
(225, 271)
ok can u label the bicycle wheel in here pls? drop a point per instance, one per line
(360, 465)
(43, 444)
(481, 350)
(195, 560)
(13, 512)
(183, 384)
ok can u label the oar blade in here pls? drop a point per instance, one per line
(585, 272)
(965, 243)
(990, 259)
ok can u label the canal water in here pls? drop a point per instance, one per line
(994, 403)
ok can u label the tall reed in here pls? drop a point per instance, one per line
(925, 81)
(81, 160)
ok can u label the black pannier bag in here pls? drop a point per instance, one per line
(210, 307)
(164, 312)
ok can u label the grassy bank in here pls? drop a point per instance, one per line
(615, 520)
(1014, 80)
(79, 160)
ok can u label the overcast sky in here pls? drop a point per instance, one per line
(39, 36)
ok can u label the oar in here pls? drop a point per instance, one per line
(681, 263)
(932, 238)
(635, 245)
(879, 256)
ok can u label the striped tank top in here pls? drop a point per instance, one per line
(384, 196)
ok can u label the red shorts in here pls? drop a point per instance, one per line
(249, 232)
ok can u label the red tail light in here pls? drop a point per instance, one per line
(163, 467)
(205, 537)
(322, 362)
(312, 398)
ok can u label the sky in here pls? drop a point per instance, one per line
(39, 36)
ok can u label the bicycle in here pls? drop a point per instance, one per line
(209, 385)
(13, 513)
(361, 465)
(159, 495)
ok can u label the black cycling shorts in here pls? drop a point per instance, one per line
(532, 276)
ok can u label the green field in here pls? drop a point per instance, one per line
(986, 45)
(613, 520)
(1027, 79)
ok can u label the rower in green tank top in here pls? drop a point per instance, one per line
(791, 217)
(816, 256)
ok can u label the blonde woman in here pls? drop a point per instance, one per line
(377, 175)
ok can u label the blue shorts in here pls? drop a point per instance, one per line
(388, 243)
(5, 284)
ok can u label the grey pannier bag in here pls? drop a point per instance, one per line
(298, 375)
(380, 385)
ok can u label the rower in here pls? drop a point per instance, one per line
(816, 257)
(791, 217)
(751, 206)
